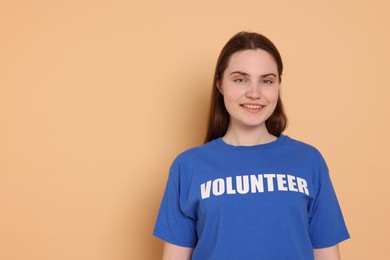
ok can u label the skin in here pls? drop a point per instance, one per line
(250, 86)
(328, 253)
(174, 252)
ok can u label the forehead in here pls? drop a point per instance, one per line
(252, 62)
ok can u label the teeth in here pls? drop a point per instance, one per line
(252, 106)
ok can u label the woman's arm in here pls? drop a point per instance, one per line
(174, 252)
(328, 253)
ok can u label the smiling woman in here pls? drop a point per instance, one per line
(243, 42)
(249, 192)
(250, 89)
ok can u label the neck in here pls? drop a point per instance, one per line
(248, 137)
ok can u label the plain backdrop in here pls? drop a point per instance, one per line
(98, 97)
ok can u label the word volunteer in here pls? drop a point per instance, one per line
(254, 184)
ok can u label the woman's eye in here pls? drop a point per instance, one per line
(267, 82)
(240, 80)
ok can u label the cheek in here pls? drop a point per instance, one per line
(271, 94)
(229, 102)
(232, 95)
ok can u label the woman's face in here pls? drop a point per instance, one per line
(250, 87)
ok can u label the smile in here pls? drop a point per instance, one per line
(251, 106)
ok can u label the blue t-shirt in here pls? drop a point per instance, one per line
(269, 201)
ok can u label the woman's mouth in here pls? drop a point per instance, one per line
(252, 107)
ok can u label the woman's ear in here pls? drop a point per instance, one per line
(219, 87)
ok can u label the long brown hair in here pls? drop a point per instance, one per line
(219, 117)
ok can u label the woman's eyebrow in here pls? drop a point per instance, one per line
(268, 74)
(240, 72)
(246, 74)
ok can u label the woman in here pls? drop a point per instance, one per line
(249, 192)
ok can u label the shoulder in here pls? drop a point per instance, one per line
(196, 154)
(300, 148)
(310, 156)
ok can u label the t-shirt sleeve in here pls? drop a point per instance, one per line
(326, 222)
(172, 224)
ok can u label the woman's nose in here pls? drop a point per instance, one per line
(254, 91)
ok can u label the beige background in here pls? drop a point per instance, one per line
(98, 97)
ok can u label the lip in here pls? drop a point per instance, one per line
(252, 107)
